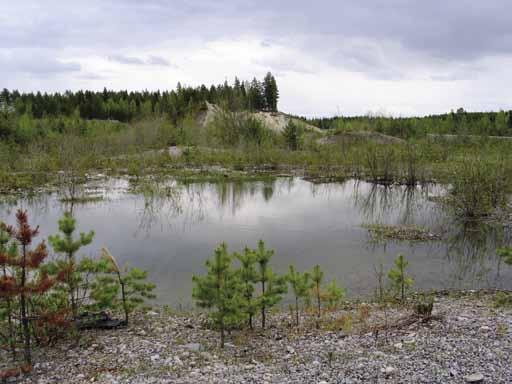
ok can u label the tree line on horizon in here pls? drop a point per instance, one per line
(459, 122)
(125, 106)
(25, 116)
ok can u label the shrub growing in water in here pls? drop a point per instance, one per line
(479, 187)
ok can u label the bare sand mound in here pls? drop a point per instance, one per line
(275, 121)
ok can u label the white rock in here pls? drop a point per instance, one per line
(388, 370)
(474, 378)
(155, 357)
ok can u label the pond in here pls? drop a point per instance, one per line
(172, 230)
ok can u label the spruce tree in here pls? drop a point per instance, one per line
(219, 290)
(66, 243)
(317, 277)
(300, 283)
(273, 287)
(248, 278)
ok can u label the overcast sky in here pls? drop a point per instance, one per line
(399, 57)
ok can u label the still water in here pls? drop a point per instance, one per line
(172, 231)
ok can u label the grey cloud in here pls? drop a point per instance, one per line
(157, 60)
(91, 76)
(443, 38)
(283, 64)
(452, 30)
(125, 60)
(130, 60)
(37, 65)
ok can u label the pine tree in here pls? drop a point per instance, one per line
(6, 253)
(27, 280)
(400, 282)
(317, 277)
(273, 287)
(135, 290)
(219, 290)
(333, 294)
(256, 96)
(68, 245)
(270, 92)
(300, 283)
(248, 278)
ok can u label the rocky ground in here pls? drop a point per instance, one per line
(467, 341)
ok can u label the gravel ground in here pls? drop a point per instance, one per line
(468, 341)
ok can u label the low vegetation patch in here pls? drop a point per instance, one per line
(383, 232)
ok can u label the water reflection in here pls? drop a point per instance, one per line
(471, 250)
(396, 204)
(171, 228)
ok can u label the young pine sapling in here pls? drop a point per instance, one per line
(333, 295)
(66, 244)
(134, 287)
(400, 282)
(273, 287)
(28, 277)
(7, 252)
(219, 290)
(300, 283)
(248, 278)
(317, 277)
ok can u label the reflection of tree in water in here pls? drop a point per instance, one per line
(268, 189)
(164, 202)
(234, 194)
(329, 189)
(36, 204)
(471, 250)
(382, 202)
